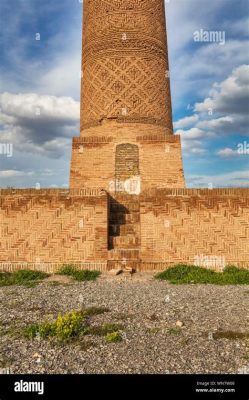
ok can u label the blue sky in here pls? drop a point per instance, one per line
(40, 87)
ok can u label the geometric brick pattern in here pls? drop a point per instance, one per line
(125, 63)
(158, 228)
(52, 226)
(125, 96)
(190, 223)
(126, 132)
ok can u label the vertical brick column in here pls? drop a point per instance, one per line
(125, 62)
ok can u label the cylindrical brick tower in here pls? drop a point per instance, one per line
(126, 132)
(125, 63)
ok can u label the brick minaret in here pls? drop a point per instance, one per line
(126, 116)
(125, 63)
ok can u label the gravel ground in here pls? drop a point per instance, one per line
(148, 309)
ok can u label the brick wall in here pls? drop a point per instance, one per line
(94, 155)
(46, 228)
(179, 225)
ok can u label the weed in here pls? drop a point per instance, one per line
(153, 330)
(182, 274)
(114, 337)
(64, 328)
(78, 275)
(175, 331)
(22, 277)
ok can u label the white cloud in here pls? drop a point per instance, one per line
(39, 124)
(190, 134)
(185, 122)
(241, 26)
(64, 76)
(230, 179)
(225, 124)
(194, 71)
(229, 96)
(228, 152)
(31, 106)
(14, 173)
(229, 103)
(229, 100)
(192, 141)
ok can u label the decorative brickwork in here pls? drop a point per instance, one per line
(40, 227)
(127, 205)
(184, 226)
(93, 155)
(125, 95)
(125, 63)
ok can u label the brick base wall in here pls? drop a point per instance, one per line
(46, 228)
(182, 226)
(43, 229)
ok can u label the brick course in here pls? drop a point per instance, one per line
(126, 133)
(44, 227)
(179, 225)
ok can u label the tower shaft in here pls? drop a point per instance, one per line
(126, 138)
(125, 63)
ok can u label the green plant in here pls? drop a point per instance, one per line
(31, 331)
(114, 337)
(64, 328)
(54, 283)
(183, 274)
(23, 277)
(69, 325)
(175, 331)
(67, 269)
(43, 330)
(29, 275)
(78, 275)
(153, 330)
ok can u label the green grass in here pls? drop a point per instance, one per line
(182, 274)
(153, 330)
(114, 337)
(78, 275)
(175, 331)
(22, 277)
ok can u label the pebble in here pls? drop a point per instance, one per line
(153, 345)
